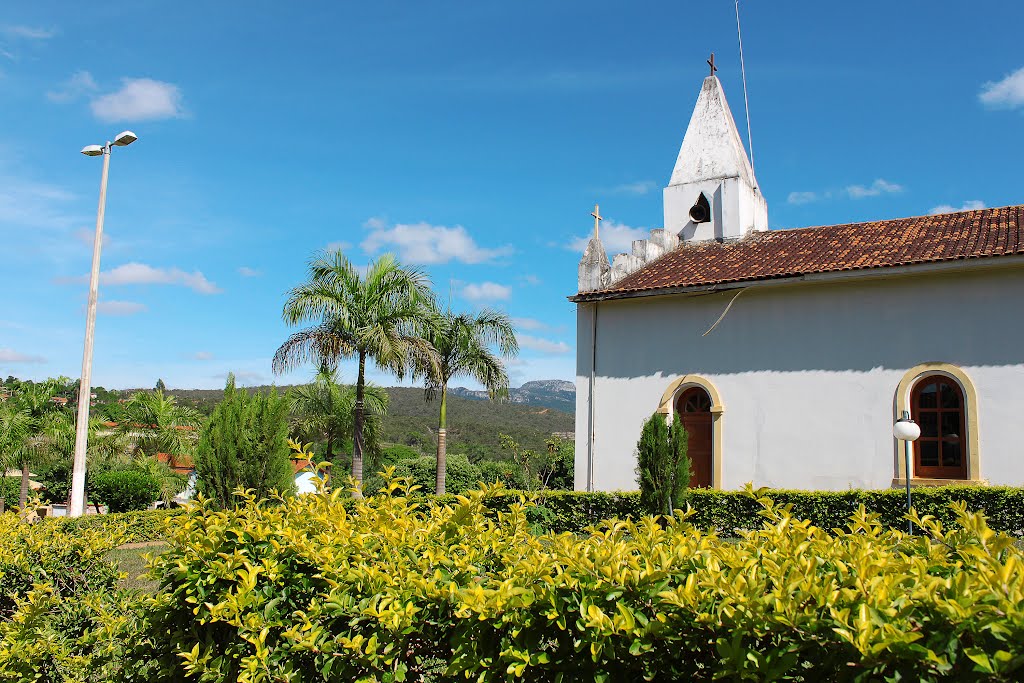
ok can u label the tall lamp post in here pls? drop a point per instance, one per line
(907, 431)
(85, 384)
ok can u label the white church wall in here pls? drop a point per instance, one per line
(807, 374)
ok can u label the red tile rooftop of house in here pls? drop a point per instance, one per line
(978, 234)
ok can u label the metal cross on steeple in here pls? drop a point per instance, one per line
(711, 63)
(597, 219)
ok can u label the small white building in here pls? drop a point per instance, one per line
(790, 353)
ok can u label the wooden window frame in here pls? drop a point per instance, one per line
(940, 471)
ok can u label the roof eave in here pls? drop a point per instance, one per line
(875, 272)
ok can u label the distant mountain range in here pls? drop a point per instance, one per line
(547, 393)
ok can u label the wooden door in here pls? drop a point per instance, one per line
(694, 407)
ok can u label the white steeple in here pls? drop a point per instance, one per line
(713, 193)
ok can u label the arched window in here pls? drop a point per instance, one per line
(694, 407)
(937, 405)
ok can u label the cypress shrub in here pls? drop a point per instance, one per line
(663, 466)
(245, 445)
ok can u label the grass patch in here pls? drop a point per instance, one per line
(131, 560)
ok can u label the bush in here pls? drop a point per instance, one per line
(245, 445)
(508, 473)
(663, 467)
(388, 588)
(460, 474)
(56, 480)
(61, 616)
(10, 490)
(124, 490)
(139, 526)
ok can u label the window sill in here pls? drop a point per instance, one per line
(901, 483)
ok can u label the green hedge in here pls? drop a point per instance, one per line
(729, 512)
(132, 527)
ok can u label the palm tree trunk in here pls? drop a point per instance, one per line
(357, 425)
(23, 496)
(442, 442)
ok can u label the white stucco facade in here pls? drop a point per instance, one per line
(807, 373)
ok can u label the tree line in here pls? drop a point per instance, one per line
(387, 316)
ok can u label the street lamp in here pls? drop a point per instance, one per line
(85, 384)
(908, 431)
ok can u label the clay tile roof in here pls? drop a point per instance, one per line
(299, 464)
(855, 246)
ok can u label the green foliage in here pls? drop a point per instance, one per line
(245, 445)
(9, 490)
(125, 490)
(139, 526)
(61, 615)
(71, 564)
(389, 589)
(323, 411)
(506, 472)
(663, 467)
(549, 468)
(462, 475)
(56, 481)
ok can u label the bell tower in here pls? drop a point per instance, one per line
(713, 194)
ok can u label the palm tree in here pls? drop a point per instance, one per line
(31, 410)
(381, 316)
(15, 428)
(324, 410)
(462, 344)
(157, 424)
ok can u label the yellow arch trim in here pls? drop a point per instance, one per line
(902, 402)
(717, 408)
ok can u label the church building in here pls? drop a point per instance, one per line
(789, 354)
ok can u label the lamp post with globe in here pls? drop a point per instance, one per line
(907, 431)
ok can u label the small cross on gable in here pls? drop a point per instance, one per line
(596, 213)
(711, 63)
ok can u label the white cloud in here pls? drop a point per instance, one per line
(969, 205)
(428, 244)
(120, 308)
(486, 291)
(139, 99)
(246, 271)
(201, 355)
(616, 237)
(1005, 94)
(28, 32)
(143, 274)
(802, 197)
(29, 204)
(636, 188)
(12, 356)
(81, 83)
(529, 324)
(542, 345)
(530, 279)
(880, 186)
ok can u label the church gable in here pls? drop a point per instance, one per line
(978, 234)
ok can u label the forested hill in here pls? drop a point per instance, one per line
(474, 425)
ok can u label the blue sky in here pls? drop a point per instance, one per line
(471, 138)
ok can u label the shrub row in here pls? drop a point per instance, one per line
(394, 588)
(128, 527)
(728, 512)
